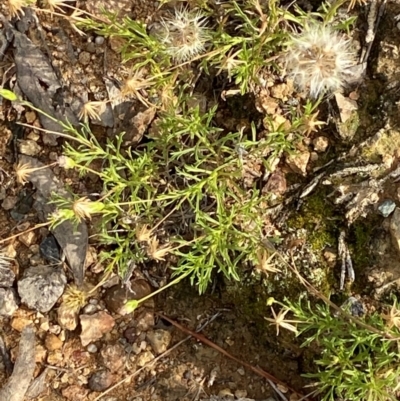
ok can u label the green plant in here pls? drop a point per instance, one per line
(358, 359)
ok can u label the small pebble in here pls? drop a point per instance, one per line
(92, 348)
(101, 380)
(99, 40)
(386, 208)
(90, 309)
(241, 371)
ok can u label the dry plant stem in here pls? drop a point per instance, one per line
(44, 10)
(347, 316)
(60, 134)
(26, 231)
(208, 342)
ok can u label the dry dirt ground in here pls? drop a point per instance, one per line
(122, 356)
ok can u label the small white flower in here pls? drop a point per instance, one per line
(319, 60)
(184, 34)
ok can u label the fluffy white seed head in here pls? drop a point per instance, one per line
(319, 60)
(184, 34)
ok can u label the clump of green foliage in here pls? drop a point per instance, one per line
(358, 358)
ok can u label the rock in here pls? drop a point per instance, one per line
(145, 320)
(52, 342)
(19, 323)
(8, 301)
(138, 125)
(113, 357)
(28, 238)
(30, 117)
(144, 358)
(117, 296)
(321, 143)
(41, 287)
(75, 393)
(386, 208)
(7, 276)
(9, 202)
(330, 255)
(159, 340)
(84, 58)
(72, 238)
(89, 309)
(298, 162)
(97, 8)
(240, 394)
(67, 317)
(99, 40)
(101, 380)
(130, 334)
(94, 326)
(92, 348)
(50, 250)
(276, 183)
(29, 148)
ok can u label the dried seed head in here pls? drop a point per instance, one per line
(22, 171)
(74, 298)
(184, 34)
(91, 110)
(143, 233)
(135, 86)
(55, 5)
(157, 252)
(84, 208)
(16, 7)
(319, 60)
(392, 317)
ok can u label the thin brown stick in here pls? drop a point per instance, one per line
(24, 232)
(208, 342)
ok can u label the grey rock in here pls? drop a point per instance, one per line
(9, 202)
(8, 301)
(7, 276)
(386, 208)
(159, 340)
(101, 380)
(73, 239)
(90, 309)
(41, 287)
(49, 249)
(99, 40)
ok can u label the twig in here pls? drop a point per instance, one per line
(208, 342)
(24, 232)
